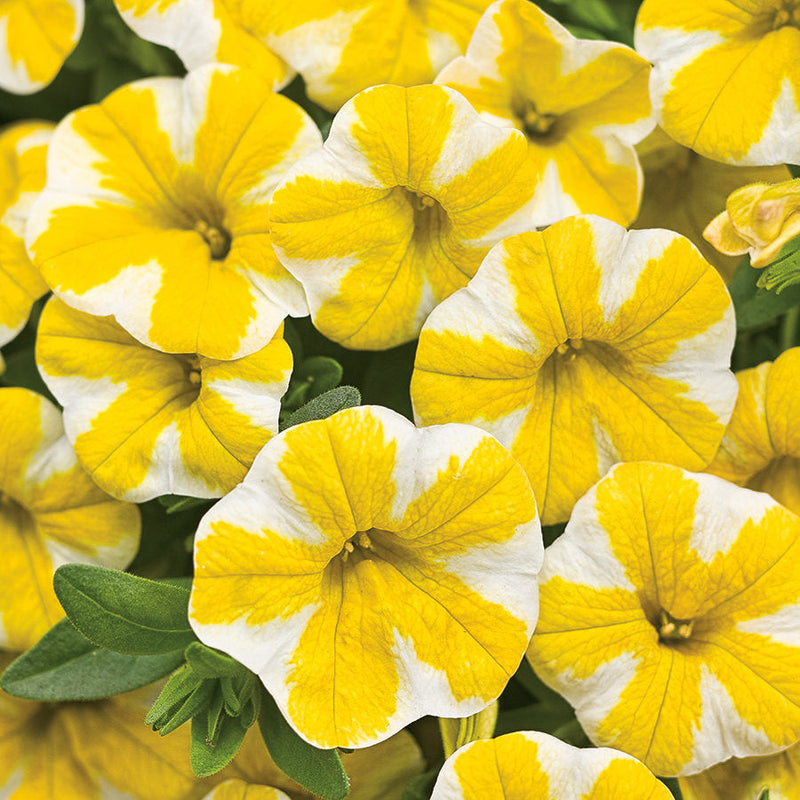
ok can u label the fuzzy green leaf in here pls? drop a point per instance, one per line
(209, 663)
(64, 665)
(319, 771)
(325, 405)
(207, 756)
(122, 612)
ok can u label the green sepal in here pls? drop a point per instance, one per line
(233, 705)
(319, 771)
(784, 271)
(210, 663)
(325, 405)
(181, 684)
(65, 665)
(251, 709)
(214, 714)
(207, 756)
(194, 704)
(122, 612)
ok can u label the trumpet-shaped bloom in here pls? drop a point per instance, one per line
(670, 617)
(761, 446)
(528, 764)
(747, 778)
(215, 31)
(155, 210)
(397, 210)
(96, 750)
(36, 36)
(581, 104)
(684, 191)
(582, 346)
(345, 46)
(726, 76)
(371, 572)
(22, 155)
(758, 219)
(51, 513)
(145, 423)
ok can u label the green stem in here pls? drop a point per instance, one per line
(789, 327)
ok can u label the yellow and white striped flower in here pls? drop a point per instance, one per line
(371, 573)
(761, 446)
(529, 764)
(145, 423)
(582, 346)
(670, 617)
(345, 46)
(726, 76)
(155, 210)
(36, 36)
(582, 105)
(51, 513)
(396, 211)
(684, 191)
(211, 31)
(23, 148)
(747, 779)
(97, 750)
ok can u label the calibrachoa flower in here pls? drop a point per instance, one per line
(669, 619)
(582, 346)
(216, 31)
(145, 423)
(36, 36)
(371, 572)
(528, 764)
(747, 779)
(761, 446)
(758, 219)
(726, 76)
(581, 104)
(397, 210)
(51, 513)
(155, 210)
(684, 191)
(97, 750)
(22, 155)
(345, 46)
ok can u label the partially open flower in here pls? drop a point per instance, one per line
(22, 156)
(371, 573)
(726, 76)
(145, 423)
(684, 191)
(51, 513)
(155, 210)
(397, 210)
(670, 618)
(761, 446)
(216, 31)
(36, 36)
(529, 764)
(759, 219)
(582, 346)
(581, 104)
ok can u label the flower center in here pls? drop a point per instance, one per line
(671, 629)
(535, 124)
(192, 369)
(217, 239)
(14, 513)
(357, 544)
(570, 349)
(787, 13)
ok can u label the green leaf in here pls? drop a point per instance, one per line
(674, 787)
(755, 307)
(319, 771)
(794, 170)
(122, 612)
(64, 665)
(325, 405)
(420, 788)
(207, 756)
(209, 663)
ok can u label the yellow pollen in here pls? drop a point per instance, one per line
(423, 201)
(673, 630)
(217, 239)
(571, 348)
(537, 124)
